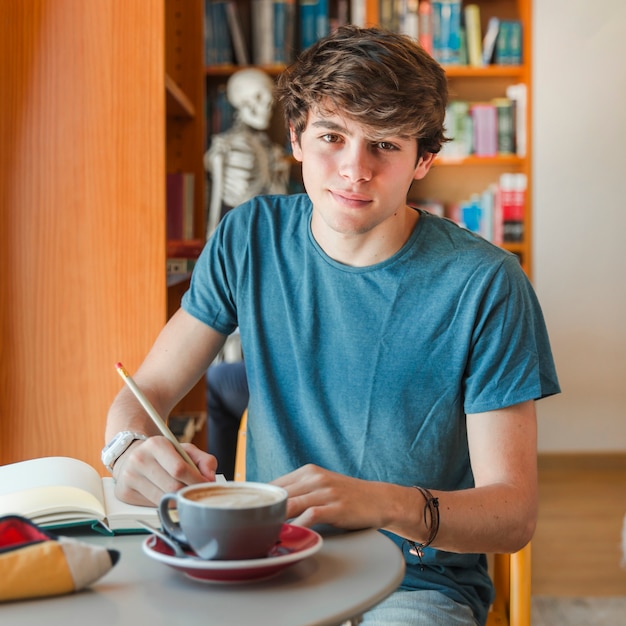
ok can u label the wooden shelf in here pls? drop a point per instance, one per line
(488, 71)
(217, 71)
(177, 103)
(500, 159)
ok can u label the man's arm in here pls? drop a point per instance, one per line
(497, 515)
(179, 357)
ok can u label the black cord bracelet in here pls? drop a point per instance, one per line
(431, 512)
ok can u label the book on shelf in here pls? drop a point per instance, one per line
(518, 94)
(425, 25)
(218, 45)
(485, 129)
(458, 124)
(314, 21)
(273, 31)
(180, 205)
(505, 113)
(489, 40)
(473, 35)
(508, 50)
(240, 47)
(365, 13)
(513, 201)
(409, 18)
(446, 31)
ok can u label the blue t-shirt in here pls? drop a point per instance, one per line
(371, 371)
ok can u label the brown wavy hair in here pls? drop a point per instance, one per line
(378, 78)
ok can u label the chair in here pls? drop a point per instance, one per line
(511, 577)
(511, 572)
(240, 455)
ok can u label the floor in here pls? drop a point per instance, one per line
(577, 548)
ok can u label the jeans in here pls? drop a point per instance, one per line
(419, 608)
(227, 398)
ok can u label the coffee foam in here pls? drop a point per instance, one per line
(233, 498)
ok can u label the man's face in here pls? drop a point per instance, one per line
(356, 181)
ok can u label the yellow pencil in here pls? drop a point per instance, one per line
(151, 411)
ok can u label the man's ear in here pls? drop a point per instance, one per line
(423, 165)
(295, 144)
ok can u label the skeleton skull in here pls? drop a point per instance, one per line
(250, 91)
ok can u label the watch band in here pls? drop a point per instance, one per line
(118, 445)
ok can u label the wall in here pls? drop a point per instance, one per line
(580, 218)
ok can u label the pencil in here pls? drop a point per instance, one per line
(152, 412)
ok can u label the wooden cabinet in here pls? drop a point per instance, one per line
(82, 215)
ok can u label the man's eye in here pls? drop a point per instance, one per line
(330, 138)
(385, 146)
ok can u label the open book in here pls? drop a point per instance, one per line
(59, 492)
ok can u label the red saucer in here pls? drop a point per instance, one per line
(295, 544)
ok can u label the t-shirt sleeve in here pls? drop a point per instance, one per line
(510, 360)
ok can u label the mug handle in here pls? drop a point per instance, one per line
(169, 525)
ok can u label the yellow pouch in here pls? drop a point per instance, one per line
(35, 563)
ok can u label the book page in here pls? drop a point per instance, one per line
(123, 516)
(59, 488)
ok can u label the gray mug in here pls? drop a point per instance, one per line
(226, 521)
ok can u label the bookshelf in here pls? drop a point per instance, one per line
(451, 181)
(185, 146)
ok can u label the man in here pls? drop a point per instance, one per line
(393, 358)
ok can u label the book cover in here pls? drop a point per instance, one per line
(425, 25)
(409, 19)
(458, 125)
(517, 93)
(485, 125)
(236, 32)
(263, 32)
(473, 35)
(372, 12)
(509, 43)
(489, 41)
(506, 125)
(218, 44)
(284, 31)
(308, 23)
(357, 13)
(446, 28)
(513, 199)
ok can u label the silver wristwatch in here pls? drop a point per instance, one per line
(117, 446)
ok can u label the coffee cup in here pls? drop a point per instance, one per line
(226, 521)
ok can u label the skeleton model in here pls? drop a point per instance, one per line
(242, 161)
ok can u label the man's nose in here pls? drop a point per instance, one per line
(356, 163)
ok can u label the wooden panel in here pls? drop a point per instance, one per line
(184, 62)
(82, 233)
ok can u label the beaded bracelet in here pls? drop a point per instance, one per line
(432, 508)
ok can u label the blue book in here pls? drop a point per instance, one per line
(446, 29)
(322, 23)
(308, 23)
(509, 43)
